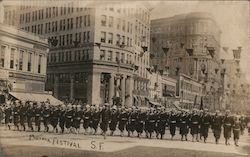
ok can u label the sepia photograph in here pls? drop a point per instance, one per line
(124, 78)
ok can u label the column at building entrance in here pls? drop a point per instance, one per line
(72, 81)
(94, 83)
(111, 88)
(56, 85)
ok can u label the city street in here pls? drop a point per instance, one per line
(34, 144)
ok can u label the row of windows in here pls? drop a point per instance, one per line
(190, 97)
(49, 13)
(120, 24)
(120, 40)
(190, 87)
(68, 39)
(79, 77)
(119, 57)
(18, 63)
(65, 24)
(68, 56)
(131, 12)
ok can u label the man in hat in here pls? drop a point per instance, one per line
(236, 129)
(38, 115)
(113, 120)
(123, 119)
(62, 117)
(227, 125)
(46, 117)
(86, 119)
(105, 118)
(16, 115)
(205, 123)
(30, 115)
(8, 114)
(194, 123)
(23, 113)
(133, 120)
(55, 114)
(216, 125)
(173, 123)
(77, 118)
(142, 115)
(96, 115)
(183, 124)
(68, 118)
(152, 117)
(161, 123)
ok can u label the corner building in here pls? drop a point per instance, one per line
(96, 49)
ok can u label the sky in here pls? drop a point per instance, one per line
(233, 18)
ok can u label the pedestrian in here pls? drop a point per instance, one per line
(23, 113)
(46, 116)
(183, 124)
(142, 115)
(55, 114)
(152, 122)
(172, 123)
(16, 115)
(30, 115)
(78, 116)
(69, 118)
(105, 118)
(8, 114)
(194, 124)
(123, 120)
(205, 124)
(227, 125)
(161, 124)
(236, 126)
(113, 120)
(96, 119)
(62, 117)
(133, 120)
(216, 125)
(86, 119)
(38, 116)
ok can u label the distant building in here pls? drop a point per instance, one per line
(190, 93)
(188, 44)
(96, 50)
(23, 60)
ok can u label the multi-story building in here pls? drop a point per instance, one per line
(190, 92)
(23, 58)
(96, 50)
(162, 89)
(188, 44)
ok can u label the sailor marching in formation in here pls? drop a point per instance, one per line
(29, 116)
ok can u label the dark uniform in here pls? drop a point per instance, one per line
(227, 125)
(46, 118)
(86, 119)
(194, 124)
(123, 119)
(216, 127)
(55, 113)
(8, 113)
(69, 118)
(152, 117)
(77, 119)
(30, 116)
(205, 123)
(96, 115)
(172, 124)
(113, 121)
(105, 117)
(16, 116)
(236, 130)
(23, 113)
(133, 121)
(141, 122)
(62, 119)
(161, 124)
(184, 125)
(38, 115)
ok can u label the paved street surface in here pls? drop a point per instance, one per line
(34, 144)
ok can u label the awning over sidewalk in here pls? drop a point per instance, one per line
(151, 102)
(39, 97)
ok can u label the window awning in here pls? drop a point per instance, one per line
(151, 102)
(39, 97)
